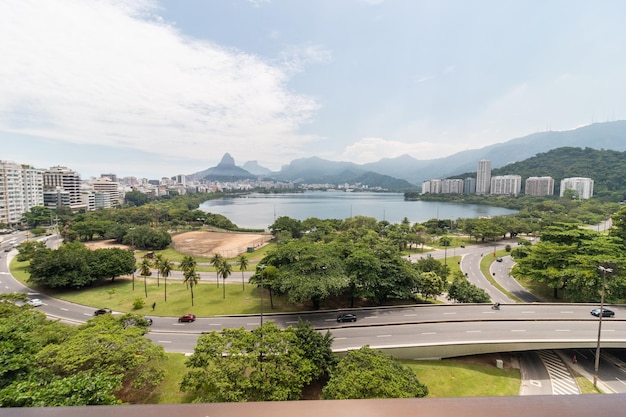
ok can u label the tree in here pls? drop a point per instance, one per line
(430, 285)
(243, 263)
(266, 364)
(368, 373)
(191, 278)
(216, 260)
(158, 259)
(463, 291)
(144, 271)
(37, 216)
(165, 268)
(224, 270)
(307, 271)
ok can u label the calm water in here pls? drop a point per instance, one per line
(258, 211)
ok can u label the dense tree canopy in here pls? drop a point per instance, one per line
(266, 364)
(369, 373)
(46, 363)
(75, 266)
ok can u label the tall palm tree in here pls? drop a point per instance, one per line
(165, 268)
(191, 278)
(158, 259)
(215, 261)
(144, 271)
(243, 263)
(224, 270)
(187, 263)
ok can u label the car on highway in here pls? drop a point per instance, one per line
(102, 311)
(35, 302)
(605, 312)
(499, 260)
(187, 318)
(346, 317)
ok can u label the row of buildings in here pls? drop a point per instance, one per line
(23, 187)
(485, 184)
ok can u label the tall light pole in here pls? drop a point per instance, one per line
(597, 363)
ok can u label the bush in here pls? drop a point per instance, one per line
(139, 303)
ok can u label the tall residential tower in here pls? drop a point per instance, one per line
(483, 177)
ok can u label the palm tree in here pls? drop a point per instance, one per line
(187, 263)
(191, 278)
(224, 269)
(158, 259)
(144, 271)
(215, 261)
(242, 261)
(165, 268)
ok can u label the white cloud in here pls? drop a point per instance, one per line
(373, 149)
(111, 73)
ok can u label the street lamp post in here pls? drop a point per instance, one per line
(597, 362)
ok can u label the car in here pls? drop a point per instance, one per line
(605, 312)
(35, 302)
(149, 320)
(499, 260)
(7, 249)
(343, 317)
(102, 311)
(187, 318)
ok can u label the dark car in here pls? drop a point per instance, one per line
(101, 311)
(344, 317)
(499, 260)
(149, 320)
(605, 312)
(187, 318)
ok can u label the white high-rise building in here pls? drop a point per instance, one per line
(483, 177)
(62, 179)
(538, 186)
(582, 186)
(21, 188)
(506, 185)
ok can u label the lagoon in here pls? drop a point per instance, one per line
(259, 211)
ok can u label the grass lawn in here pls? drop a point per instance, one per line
(450, 378)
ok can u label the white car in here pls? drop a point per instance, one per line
(35, 302)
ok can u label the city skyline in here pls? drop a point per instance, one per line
(160, 88)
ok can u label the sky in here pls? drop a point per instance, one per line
(156, 88)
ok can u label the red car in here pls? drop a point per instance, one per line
(187, 318)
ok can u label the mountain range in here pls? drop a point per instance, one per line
(406, 172)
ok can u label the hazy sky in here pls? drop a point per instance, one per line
(159, 88)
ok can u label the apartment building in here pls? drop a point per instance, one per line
(539, 186)
(483, 177)
(506, 185)
(582, 186)
(21, 188)
(59, 182)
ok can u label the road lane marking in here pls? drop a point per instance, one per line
(64, 309)
(383, 335)
(472, 331)
(340, 338)
(452, 312)
(528, 312)
(290, 322)
(566, 312)
(518, 330)
(429, 333)
(563, 330)
(371, 317)
(410, 315)
(164, 341)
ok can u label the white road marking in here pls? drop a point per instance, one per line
(64, 309)
(518, 330)
(429, 333)
(452, 312)
(563, 330)
(384, 335)
(566, 312)
(164, 341)
(410, 315)
(472, 331)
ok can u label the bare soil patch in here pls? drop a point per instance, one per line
(204, 244)
(227, 244)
